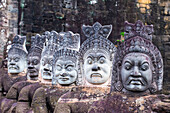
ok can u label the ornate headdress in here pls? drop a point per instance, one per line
(67, 46)
(96, 39)
(18, 45)
(138, 39)
(36, 45)
(49, 44)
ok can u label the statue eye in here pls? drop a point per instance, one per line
(145, 67)
(102, 61)
(69, 68)
(128, 66)
(58, 67)
(16, 59)
(35, 62)
(90, 61)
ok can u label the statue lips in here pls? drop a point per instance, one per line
(135, 81)
(46, 73)
(64, 77)
(33, 72)
(96, 75)
(14, 67)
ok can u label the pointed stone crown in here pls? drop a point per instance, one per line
(19, 43)
(97, 38)
(67, 45)
(138, 29)
(97, 30)
(37, 42)
(68, 40)
(49, 44)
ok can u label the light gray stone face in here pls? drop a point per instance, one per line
(68, 4)
(96, 55)
(47, 57)
(65, 71)
(65, 65)
(16, 63)
(17, 55)
(136, 72)
(46, 67)
(97, 66)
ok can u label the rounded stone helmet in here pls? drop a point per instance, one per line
(138, 39)
(96, 40)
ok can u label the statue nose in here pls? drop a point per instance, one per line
(95, 68)
(46, 69)
(136, 72)
(12, 63)
(30, 67)
(64, 74)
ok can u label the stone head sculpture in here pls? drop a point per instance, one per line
(47, 57)
(17, 55)
(138, 65)
(34, 56)
(65, 66)
(96, 55)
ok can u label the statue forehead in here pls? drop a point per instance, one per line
(96, 52)
(136, 55)
(33, 57)
(64, 61)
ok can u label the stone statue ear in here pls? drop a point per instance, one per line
(106, 30)
(153, 88)
(87, 30)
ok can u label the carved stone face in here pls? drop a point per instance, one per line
(46, 67)
(65, 71)
(16, 63)
(136, 72)
(33, 67)
(68, 4)
(97, 66)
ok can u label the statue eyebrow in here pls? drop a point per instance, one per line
(143, 62)
(91, 56)
(100, 56)
(128, 61)
(69, 64)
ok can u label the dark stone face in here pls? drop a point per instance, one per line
(136, 72)
(33, 67)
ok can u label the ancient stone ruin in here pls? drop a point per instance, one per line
(59, 74)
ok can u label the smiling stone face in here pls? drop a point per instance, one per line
(97, 66)
(65, 71)
(136, 72)
(16, 63)
(33, 67)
